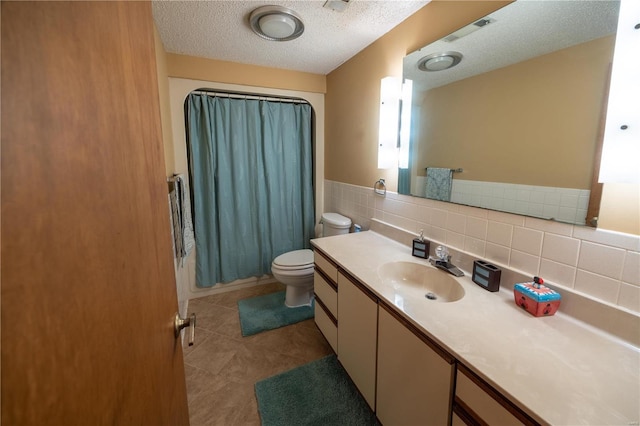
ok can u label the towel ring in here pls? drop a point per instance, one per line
(379, 187)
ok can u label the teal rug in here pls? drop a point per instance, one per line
(267, 312)
(319, 393)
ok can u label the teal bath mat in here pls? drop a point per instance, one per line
(319, 393)
(267, 312)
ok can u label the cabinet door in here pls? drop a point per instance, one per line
(415, 381)
(357, 335)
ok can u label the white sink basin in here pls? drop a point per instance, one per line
(417, 280)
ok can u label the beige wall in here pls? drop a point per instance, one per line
(502, 126)
(234, 73)
(165, 109)
(353, 89)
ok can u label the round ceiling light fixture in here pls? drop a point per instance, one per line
(276, 23)
(439, 61)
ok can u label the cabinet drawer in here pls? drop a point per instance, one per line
(326, 326)
(326, 293)
(326, 266)
(480, 401)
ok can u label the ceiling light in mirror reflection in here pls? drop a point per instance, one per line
(621, 149)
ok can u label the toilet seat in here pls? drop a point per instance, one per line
(294, 261)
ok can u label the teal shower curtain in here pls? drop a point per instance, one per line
(252, 180)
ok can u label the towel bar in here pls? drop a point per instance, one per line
(458, 170)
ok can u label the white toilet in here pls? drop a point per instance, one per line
(295, 268)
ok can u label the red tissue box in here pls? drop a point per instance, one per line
(535, 298)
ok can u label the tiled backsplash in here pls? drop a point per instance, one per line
(601, 264)
(565, 204)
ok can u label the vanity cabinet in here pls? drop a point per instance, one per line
(358, 334)
(476, 403)
(325, 287)
(414, 376)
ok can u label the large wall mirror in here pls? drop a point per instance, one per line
(506, 113)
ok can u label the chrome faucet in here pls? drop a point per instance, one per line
(443, 261)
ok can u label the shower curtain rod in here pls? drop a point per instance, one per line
(238, 95)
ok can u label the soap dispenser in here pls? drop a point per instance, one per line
(420, 246)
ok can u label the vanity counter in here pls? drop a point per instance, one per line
(557, 369)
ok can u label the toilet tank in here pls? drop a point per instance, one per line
(335, 224)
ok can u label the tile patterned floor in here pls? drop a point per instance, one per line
(222, 367)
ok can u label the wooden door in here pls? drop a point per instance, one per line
(88, 287)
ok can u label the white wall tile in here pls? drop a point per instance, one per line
(629, 297)
(559, 228)
(566, 214)
(524, 262)
(597, 286)
(610, 238)
(424, 214)
(551, 211)
(473, 212)
(569, 200)
(399, 221)
(474, 246)
(527, 240)
(557, 272)
(561, 249)
(437, 233)
(391, 195)
(537, 197)
(500, 233)
(450, 207)
(454, 239)
(552, 198)
(456, 222)
(535, 210)
(497, 253)
(477, 228)
(439, 218)
(602, 260)
(496, 204)
(506, 218)
(631, 268)
(397, 207)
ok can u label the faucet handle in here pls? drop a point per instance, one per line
(442, 253)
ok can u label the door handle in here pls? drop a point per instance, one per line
(180, 323)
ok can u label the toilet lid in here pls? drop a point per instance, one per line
(296, 258)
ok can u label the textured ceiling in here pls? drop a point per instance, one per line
(523, 30)
(219, 29)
